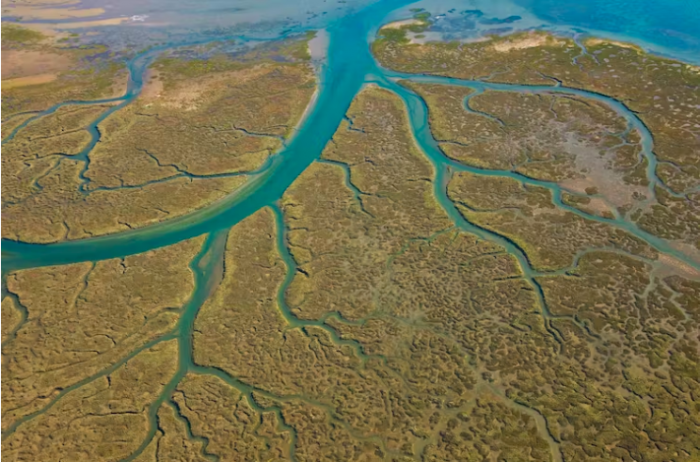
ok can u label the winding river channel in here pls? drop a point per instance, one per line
(349, 66)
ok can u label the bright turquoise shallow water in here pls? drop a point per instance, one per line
(350, 65)
(672, 26)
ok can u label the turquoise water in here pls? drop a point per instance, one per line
(349, 65)
(670, 26)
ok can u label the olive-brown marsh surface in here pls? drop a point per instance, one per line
(192, 136)
(491, 256)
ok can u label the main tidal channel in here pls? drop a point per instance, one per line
(349, 66)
